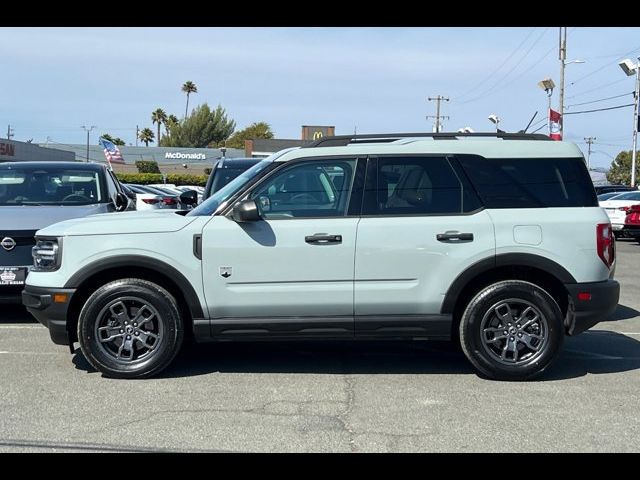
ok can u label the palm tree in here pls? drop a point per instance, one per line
(160, 117)
(171, 120)
(146, 135)
(189, 87)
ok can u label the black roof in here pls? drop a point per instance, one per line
(244, 162)
(52, 164)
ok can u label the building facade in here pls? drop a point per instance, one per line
(169, 159)
(14, 151)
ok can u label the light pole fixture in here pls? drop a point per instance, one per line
(88, 131)
(547, 85)
(493, 118)
(630, 68)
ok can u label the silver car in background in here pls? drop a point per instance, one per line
(34, 195)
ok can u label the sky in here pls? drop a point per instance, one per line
(369, 80)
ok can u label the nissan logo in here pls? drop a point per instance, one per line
(8, 244)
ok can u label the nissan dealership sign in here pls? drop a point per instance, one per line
(185, 156)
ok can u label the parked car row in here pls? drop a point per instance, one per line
(34, 195)
(618, 206)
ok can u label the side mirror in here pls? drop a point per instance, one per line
(190, 197)
(246, 211)
(121, 201)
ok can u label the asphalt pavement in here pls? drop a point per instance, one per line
(327, 397)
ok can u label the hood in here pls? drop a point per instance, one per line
(120, 223)
(34, 217)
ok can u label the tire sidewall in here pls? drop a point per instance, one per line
(471, 335)
(160, 299)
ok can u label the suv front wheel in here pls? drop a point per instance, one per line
(511, 330)
(130, 328)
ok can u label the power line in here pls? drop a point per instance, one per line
(604, 66)
(599, 109)
(487, 92)
(600, 100)
(499, 67)
(597, 88)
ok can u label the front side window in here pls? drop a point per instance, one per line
(315, 188)
(49, 186)
(413, 186)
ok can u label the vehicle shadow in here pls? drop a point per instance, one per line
(15, 313)
(594, 352)
(624, 313)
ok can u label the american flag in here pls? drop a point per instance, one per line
(111, 151)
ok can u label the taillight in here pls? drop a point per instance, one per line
(169, 201)
(624, 209)
(606, 243)
(150, 201)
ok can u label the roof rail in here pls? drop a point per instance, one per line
(342, 140)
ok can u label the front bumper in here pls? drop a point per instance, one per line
(601, 303)
(40, 302)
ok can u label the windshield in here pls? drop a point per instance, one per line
(49, 186)
(212, 203)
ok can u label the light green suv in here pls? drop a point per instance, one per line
(495, 240)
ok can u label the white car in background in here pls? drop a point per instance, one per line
(146, 200)
(617, 208)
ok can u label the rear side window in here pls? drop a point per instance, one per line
(530, 182)
(413, 186)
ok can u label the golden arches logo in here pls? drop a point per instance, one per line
(317, 135)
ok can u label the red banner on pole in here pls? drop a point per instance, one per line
(554, 125)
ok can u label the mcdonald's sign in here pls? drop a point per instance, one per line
(315, 132)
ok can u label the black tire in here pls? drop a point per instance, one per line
(482, 336)
(102, 315)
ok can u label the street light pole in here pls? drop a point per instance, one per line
(88, 131)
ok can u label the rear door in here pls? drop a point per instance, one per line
(421, 226)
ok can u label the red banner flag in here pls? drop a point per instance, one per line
(554, 125)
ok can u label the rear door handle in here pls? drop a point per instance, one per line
(453, 237)
(322, 239)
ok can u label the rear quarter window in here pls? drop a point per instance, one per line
(530, 182)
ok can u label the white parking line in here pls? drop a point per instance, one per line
(3, 352)
(21, 326)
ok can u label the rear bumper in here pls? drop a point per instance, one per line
(585, 313)
(53, 315)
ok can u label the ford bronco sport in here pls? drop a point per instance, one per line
(493, 239)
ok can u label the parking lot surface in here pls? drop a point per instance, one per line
(327, 397)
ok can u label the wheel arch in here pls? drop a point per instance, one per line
(536, 269)
(96, 274)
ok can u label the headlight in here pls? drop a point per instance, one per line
(47, 254)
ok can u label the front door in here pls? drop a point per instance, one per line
(292, 272)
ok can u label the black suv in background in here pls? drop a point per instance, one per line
(224, 170)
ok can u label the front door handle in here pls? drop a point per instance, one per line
(322, 239)
(453, 237)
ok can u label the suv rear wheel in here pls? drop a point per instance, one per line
(511, 330)
(130, 328)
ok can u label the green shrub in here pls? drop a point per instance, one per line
(147, 166)
(207, 171)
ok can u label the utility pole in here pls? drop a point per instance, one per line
(589, 141)
(137, 133)
(562, 55)
(9, 132)
(438, 99)
(88, 131)
(636, 121)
